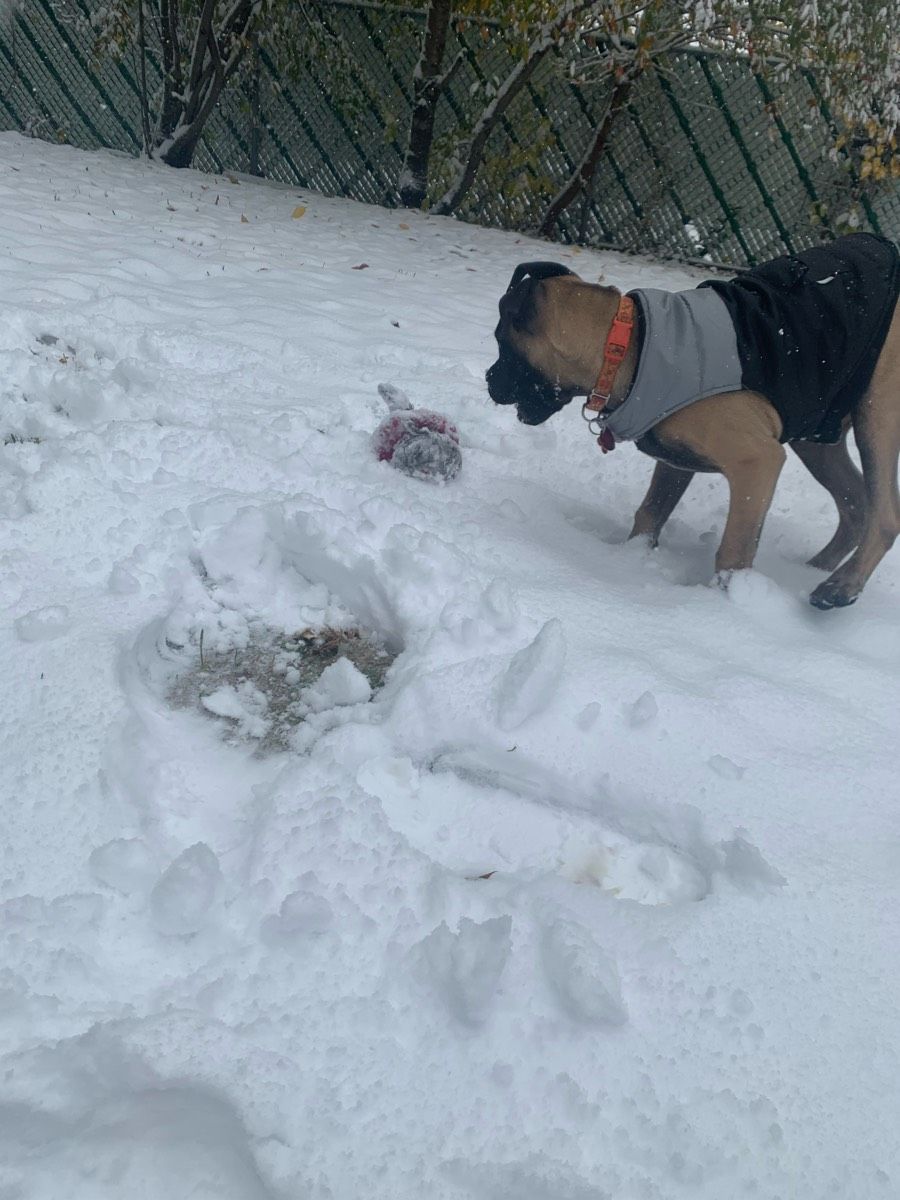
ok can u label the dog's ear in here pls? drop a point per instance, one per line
(515, 304)
(537, 270)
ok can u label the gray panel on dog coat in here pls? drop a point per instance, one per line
(689, 351)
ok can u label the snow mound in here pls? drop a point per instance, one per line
(341, 683)
(532, 677)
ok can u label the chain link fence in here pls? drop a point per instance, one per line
(707, 162)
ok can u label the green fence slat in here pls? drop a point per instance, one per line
(705, 167)
(772, 107)
(745, 153)
(102, 92)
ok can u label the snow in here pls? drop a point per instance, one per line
(532, 677)
(42, 624)
(596, 897)
(125, 864)
(339, 684)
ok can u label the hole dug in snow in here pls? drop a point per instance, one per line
(263, 690)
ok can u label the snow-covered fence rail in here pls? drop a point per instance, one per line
(705, 162)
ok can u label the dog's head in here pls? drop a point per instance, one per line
(533, 370)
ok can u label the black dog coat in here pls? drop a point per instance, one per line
(810, 327)
(805, 331)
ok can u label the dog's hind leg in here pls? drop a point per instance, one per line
(876, 424)
(667, 487)
(832, 466)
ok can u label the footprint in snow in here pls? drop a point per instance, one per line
(583, 977)
(465, 967)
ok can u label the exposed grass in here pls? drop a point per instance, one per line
(268, 677)
(19, 439)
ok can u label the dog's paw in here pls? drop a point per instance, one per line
(647, 538)
(832, 595)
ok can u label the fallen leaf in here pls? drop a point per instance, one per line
(396, 324)
(298, 211)
(360, 267)
(244, 220)
(403, 225)
(232, 179)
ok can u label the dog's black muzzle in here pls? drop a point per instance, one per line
(511, 380)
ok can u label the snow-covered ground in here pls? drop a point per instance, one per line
(598, 897)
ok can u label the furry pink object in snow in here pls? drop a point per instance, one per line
(420, 443)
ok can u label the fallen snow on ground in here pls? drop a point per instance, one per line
(596, 897)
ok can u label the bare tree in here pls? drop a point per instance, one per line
(549, 25)
(200, 44)
(429, 83)
(193, 82)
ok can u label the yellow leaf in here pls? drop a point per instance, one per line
(403, 225)
(299, 211)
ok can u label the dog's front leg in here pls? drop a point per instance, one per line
(751, 481)
(667, 487)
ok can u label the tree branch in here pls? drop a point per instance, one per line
(583, 175)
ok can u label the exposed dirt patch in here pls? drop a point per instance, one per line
(263, 691)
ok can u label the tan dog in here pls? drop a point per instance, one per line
(553, 331)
